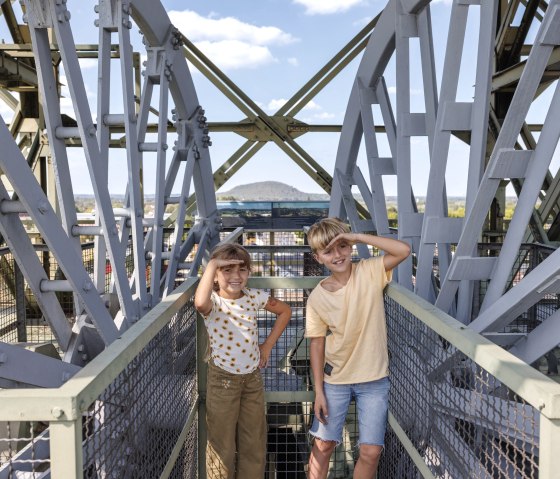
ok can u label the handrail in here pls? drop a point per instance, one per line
(534, 387)
(69, 400)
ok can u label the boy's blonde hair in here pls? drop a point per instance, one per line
(321, 233)
(232, 251)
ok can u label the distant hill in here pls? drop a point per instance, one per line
(268, 191)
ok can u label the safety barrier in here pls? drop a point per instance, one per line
(460, 405)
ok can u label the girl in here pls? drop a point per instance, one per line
(235, 411)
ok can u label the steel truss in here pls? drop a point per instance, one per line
(502, 148)
(155, 258)
(446, 268)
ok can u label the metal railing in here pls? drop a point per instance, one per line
(464, 406)
(131, 411)
(460, 405)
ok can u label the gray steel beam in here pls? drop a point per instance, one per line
(87, 130)
(133, 154)
(527, 199)
(503, 154)
(37, 206)
(33, 369)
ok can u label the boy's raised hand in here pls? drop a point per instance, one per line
(349, 238)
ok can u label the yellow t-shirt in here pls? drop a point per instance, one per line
(356, 349)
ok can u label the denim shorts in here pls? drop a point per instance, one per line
(371, 403)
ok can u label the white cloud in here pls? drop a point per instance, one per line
(233, 54)
(324, 115)
(229, 42)
(325, 7)
(445, 2)
(278, 103)
(293, 61)
(312, 106)
(198, 28)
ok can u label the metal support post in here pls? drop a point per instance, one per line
(20, 304)
(66, 449)
(202, 373)
(549, 439)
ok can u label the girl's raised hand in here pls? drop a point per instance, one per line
(222, 263)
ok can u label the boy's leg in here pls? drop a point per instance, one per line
(366, 467)
(222, 409)
(320, 458)
(251, 429)
(327, 436)
(372, 401)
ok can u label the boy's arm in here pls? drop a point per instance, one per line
(317, 351)
(284, 313)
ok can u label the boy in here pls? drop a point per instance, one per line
(352, 361)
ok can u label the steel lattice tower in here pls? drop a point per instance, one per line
(503, 147)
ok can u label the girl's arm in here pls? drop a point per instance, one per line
(284, 313)
(395, 251)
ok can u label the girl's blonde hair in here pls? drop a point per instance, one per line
(321, 233)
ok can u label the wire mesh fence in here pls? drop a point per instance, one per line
(24, 449)
(460, 418)
(528, 258)
(11, 298)
(131, 429)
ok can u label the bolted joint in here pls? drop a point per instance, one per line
(57, 412)
(176, 39)
(43, 207)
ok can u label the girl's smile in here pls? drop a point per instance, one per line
(232, 280)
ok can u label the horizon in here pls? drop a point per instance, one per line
(225, 193)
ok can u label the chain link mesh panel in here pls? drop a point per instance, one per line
(10, 296)
(24, 449)
(460, 418)
(132, 428)
(186, 465)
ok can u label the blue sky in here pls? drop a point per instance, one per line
(284, 44)
(270, 48)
